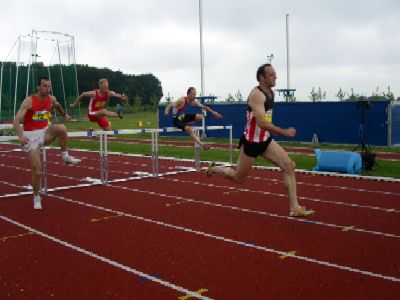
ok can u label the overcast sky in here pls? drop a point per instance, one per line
(333, 44)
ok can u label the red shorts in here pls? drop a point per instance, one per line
(103, 122)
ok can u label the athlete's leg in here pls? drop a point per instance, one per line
(57, 131)
(244, 165)
(105, 113)
(60, 131)
(276, 154)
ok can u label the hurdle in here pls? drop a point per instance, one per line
(103, 151)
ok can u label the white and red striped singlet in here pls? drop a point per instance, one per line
(252, 132)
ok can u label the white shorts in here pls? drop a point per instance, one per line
(35, 139)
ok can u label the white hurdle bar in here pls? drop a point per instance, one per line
(154, 147)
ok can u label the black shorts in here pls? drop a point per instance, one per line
(254, 149)
(182, 121)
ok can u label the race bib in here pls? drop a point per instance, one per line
(268, 116)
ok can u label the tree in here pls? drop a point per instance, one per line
(239, 97)
(341, 94)
(230, 98)
(389, 95)
(317, 95)
(353, 95)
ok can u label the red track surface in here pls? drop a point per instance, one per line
(199, 234)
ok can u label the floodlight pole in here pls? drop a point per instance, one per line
(202, 61)
(287, 52)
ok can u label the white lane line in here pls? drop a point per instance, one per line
(385, 209)
(307, 221)
(330, 186)
(105, 259)
(232, 241)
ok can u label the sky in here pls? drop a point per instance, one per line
(332, 44)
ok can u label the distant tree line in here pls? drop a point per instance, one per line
(144, 91)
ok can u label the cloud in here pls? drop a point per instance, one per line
(332, 44)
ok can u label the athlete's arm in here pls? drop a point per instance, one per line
(256, 102)
(59, 109)
(177, 104)
(19, 117)
(80, 98)
(116, 95)
(206, 108)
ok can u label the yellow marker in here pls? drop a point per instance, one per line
(176, 203)
(104, 218)
(185, 297)
(288, 254)
(348, 228)
(15, 236)
(139, 123)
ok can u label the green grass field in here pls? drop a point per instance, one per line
(384, 168)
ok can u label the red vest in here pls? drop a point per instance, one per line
(39, 116)
(97, 102)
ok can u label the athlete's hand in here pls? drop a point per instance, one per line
(67, 118)
(217, 115)
(72, 105)
(23, 140)
(290, 132)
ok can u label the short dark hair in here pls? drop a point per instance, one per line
(189, 90)
(39, 82)
(261, 70)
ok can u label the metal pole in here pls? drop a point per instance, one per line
(1, 85)
(62, 78)
(2, 65)
(230, 146)
(197, 152)
(43, 182)
(30, 58)
(287, 52)
(16, 76)
(202, 61)
(76, 73)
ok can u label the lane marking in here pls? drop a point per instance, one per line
(288, 254)
(105, 259)
(4, 238)
(104, 218)
(348, 228)
(283, 195)
(176, 203)
(185, 297)
(263, 213)
(229, 240)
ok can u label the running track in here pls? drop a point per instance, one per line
(185, 236)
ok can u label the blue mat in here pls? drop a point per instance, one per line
(338, 161)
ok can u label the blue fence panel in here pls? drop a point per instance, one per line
(396, 124)
(333, 122)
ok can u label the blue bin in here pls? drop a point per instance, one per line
(338, 161)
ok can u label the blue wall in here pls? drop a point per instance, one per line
(333, 122)
(396, 124)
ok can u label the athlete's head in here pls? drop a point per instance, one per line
(266, 74)
(191, 93)
(103, 85)
(43, 86)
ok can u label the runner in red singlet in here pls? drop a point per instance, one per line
(98, 98)
(35, 112)
(257, 140)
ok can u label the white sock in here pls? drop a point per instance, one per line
(64, 154)
(36, 196)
